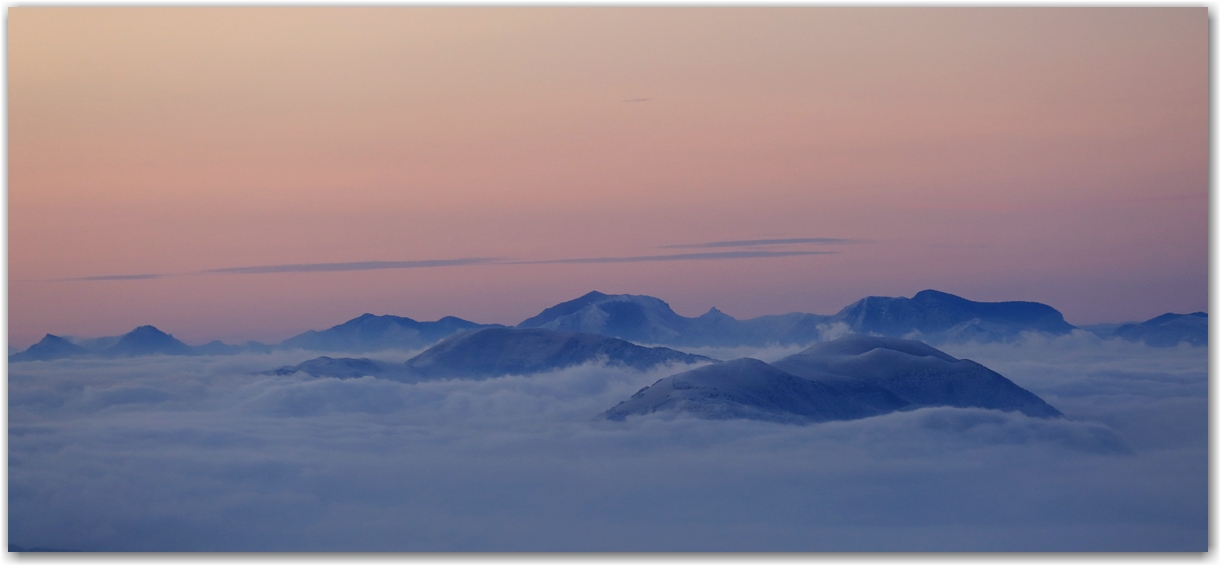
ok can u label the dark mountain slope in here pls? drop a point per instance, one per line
(853, 377)
(501, 351)
(374, 333)
(147, 340)
(1168, 330)
(749, 388)
(50, 347)
(644, 319)
(917, 372)
(939, 316)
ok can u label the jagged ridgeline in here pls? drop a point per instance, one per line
(931, 316)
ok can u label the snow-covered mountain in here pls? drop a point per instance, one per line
(1168, 330)
(374, 333)
(493, 352)
(936, 316)
(915, 371)
(930, 315)
(751, 389)
(855, 376)
(644, 319)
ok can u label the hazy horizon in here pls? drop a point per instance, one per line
(252, 173)
(510, 324)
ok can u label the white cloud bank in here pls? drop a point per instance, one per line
(193, 454)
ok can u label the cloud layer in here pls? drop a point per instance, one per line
(201, 454)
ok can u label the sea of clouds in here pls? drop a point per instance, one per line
(203, 454)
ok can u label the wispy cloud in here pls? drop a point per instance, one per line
(433, 263)
(752, 242)
(635, 100)
(117, 277)
(302, 268)
(353, 266)
(681, 257)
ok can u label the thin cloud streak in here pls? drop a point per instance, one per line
(380, 265)
(301, 268)
(117, 277)
(749, 242)
(354, 266)
(681, 257)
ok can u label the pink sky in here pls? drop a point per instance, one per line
(1055, 155)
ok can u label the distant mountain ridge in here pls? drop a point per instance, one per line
(644, 319)
(144, 340)
(1168, 330)
(494, 352)
(361, 334)
(853, 377)
(372, 333)
(932, 315)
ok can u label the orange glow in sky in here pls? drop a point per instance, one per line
(1048, 154)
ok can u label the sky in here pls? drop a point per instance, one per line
(196, 453)
(252, 173)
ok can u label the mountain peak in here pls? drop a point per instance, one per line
(931, 294)
(147, 340)
(50, 347)
(370, 332)
(146, 331)
(564, 309)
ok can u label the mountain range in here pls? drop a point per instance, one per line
(855, 376)
(644, 319)
(362, 334)
(375, 333)
(144, 340)
(495, 352)
(937, 316)
(931, 316)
